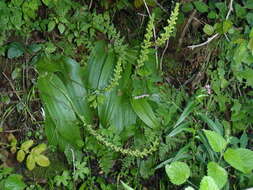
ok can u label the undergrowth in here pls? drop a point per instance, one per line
(126, 94)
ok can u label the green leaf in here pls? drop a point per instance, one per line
(249, 4)
(178, 172)
(126, 187)
(249, 18)
(240, 11)
(51, 25)
(39, 148)
(201, 6)
(212, 15)
(15, 50)
(208, 183)
(145, 112)
(64, 97)
(20, 156)
(30, 162)
(189, 108)
(240, 158)
(96, 63)
(26, 145)
(217, 142)
(248, 75)
(14, 182)
(187, 7)
(227, 24)
(208, 29)
(61, 28)
(189, 188)
(42, 160)
(218, 173)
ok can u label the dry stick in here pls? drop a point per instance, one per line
(215, 35)
(180, 41)
(154, 33)
(13, 88)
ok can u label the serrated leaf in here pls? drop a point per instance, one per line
(208, 183)
(51, 25)
(42, 160)
(208, 29)
(218, 173)
(30, 162)
(26, 145)
(20, 156)
(187, 7)
(145, 112)
(240, 158)
(201, 6)
(178, 172)
(15, 50)
(217, 142)
(14, 182)
(61, 28)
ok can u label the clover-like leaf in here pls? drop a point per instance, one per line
(26, 145)
(30, 162)
(178, 172)
(20, 156)
(42, 160)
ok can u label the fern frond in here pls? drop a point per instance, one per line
(170, 28)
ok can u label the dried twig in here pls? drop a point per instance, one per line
(13, 88)
(215, 35)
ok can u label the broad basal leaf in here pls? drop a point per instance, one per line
(145, 112)
(240, 158)
(218, 173)
(96, 63)
(178, 172)
(217, 142)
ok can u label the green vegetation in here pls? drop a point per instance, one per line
(118, 94)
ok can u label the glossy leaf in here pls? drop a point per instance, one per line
(30, 162)
(178, 172)
(20, 156)
(126, 187)
(39, 148)
(217, 142)
(42, 160)
(189, 108)
(240, 158)
(26, 145)
(145, 112)
(218, 173)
